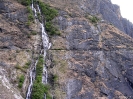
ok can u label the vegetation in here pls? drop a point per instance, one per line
(50, 14)
(21, 81)
(92, 18)
(20, 68)
(30, 17)
(47, 11)
(30, 12)
(50, 28)
(33, 33)
(25, 2)
(55, 78)
(24, 68)
(38, 87)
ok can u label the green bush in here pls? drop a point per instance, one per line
(47, 11)
(20, 68)
(55, 78)
(38, 87)
(34, 33)
(50, 14)
(94, 19)
(37, 91)
(39, 67)
(28, 23)
(25, 2)
(30, 17)
(51, 29)
(21, 81)
(29, 10)
(26, 66)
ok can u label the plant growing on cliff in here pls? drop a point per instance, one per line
(30, 17)
(93, 19)
(21, 81)
(50, 14)
(25, 2)
(38, 87)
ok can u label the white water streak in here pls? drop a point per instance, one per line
(32, 78)
(46, 46)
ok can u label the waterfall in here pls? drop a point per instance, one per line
(32, 78)
(46, 46)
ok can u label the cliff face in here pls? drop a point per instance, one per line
(91, 59)
(96, 62)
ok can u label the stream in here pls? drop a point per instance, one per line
(46, 46)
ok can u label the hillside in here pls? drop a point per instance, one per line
(91, 56)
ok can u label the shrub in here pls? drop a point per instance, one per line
(50, 14)
(21, 81)
(51, 29)
(26, 66)
(30, 17)
(39, 67)
(28, 23)
(37, 91)
(38, 87)
(20, 68)
(25, 2)
(55, 77)
(34, 33)
(94, 19)
(29, 9)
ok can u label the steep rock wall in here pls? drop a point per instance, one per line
(96, 62)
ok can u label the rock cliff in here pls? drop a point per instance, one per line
(91, 59)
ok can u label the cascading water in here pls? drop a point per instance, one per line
(46, 46)
(32, 78)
